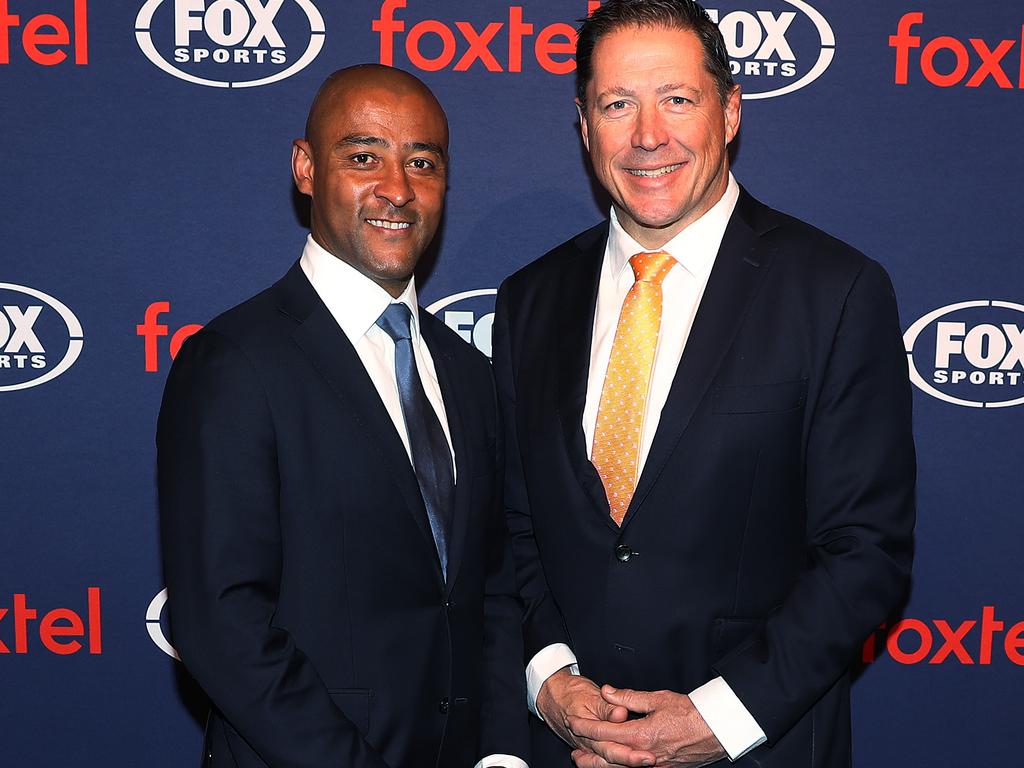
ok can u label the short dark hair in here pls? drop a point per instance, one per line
(672, 14)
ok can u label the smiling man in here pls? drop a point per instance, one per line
(338, 565)
(710, 465)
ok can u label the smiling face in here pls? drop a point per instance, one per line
(374, 164)
(657, 130)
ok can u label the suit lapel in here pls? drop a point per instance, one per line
(738, 273)
(453, 397)
(578, 301)
(334, 357)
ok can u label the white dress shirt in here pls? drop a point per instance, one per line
(694, 249)
(355, 302)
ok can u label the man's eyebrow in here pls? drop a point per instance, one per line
(426, 146)
(627, 93)
(678, 87)
(360, 140)
(617, 90)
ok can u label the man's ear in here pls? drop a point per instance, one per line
(733, 113)
(302, 166)
(581, 110)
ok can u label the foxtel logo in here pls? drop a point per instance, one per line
(57, 629)
(462, 45)
(46, 37)
(983, 61)
(150, 330)
(913, 641)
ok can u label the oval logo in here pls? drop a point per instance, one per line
(154, 614)
(775, 46)
(969, 354)
(40, 338)
(470, 314)
(230, 43)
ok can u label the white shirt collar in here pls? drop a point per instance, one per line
(694, 248)
(353, 299)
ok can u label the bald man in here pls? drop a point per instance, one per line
(339, 572)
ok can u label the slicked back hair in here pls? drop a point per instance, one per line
(671, 14)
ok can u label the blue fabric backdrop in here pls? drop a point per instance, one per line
(145, 186)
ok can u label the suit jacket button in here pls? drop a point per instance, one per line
(623, 553)
(442, 706)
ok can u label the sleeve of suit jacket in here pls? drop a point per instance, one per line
(218, 486)
(503, 722)
(543, 624)
(860, 476)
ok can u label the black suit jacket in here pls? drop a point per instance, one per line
(771, 527)
(305, 590)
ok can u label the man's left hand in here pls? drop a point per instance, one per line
(671, 728)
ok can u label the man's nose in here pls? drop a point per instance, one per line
(649, 131)
(394, 186)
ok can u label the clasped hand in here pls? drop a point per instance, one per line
(670, 732)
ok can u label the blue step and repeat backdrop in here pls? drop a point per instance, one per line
(145, 187)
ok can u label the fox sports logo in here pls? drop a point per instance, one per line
(40, 337)
(155, 624)
(230, 43)
(970, 353)
(470, 314)
(775, 46)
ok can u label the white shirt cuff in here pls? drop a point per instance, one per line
(727, 718)
(506, 761)
(543, 665)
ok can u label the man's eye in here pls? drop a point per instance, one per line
(362, 158)
(680, 100)
(617, 105)
(421, 162)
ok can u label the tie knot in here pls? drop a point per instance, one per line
(651, 267)
(395, 321)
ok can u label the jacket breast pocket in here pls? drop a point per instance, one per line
(760, 398)
(354, 704)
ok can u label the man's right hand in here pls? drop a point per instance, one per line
(565, 695)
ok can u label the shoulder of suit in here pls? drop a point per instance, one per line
(248, 320)
(253, 328)
(588, 241)
(802, 245)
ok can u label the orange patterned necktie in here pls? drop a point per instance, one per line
(620, 415)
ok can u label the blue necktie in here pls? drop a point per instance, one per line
(431, 458)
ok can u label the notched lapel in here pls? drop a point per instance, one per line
(335, 359)
(575, 329)
(740, 268)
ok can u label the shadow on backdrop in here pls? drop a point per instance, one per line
(191, 695)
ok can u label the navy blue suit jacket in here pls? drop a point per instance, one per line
(306, 594)
(771, 529)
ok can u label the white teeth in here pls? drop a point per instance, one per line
(654, 173)
(389, 224)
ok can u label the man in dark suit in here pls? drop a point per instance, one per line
(710, 467)
(338, 565)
